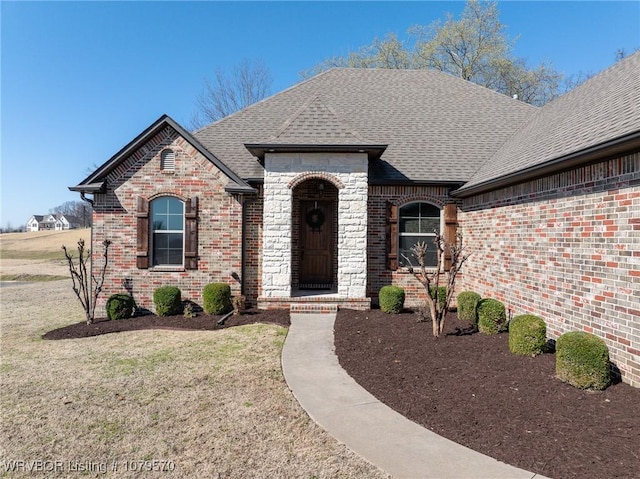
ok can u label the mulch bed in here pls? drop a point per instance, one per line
(470, 388)
(202, 322)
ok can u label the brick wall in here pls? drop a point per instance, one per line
(253, 247)
(219, 222)
(378, 273)
(567, 248)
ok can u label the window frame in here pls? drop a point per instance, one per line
(153, 232)
(428, 236)
(143, 238)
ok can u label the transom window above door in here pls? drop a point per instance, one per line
(418, 222)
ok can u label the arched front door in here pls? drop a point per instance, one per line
(316, 261)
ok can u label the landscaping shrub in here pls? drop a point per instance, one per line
(120, 306)
(582, 360)
(216, 298)
(492, 316)
(391, 299)
(468, 306)
(527, 335)
(167, 300)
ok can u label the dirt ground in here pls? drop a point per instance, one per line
(202, 322)
(470, 388)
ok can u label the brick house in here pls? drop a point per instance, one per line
(308, 198)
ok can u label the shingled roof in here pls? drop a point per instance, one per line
(436, 127)
(600, 116)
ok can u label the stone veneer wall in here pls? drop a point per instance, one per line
(379, 275)
(219, 222)
(283, 172)
(567, 248)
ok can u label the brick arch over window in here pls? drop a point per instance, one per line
(405, 200)
(316, 175)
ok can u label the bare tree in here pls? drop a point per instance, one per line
(473, 47)
(433, 279)
(86, 285)
(226, 93)
(79, 210)
(389, 52)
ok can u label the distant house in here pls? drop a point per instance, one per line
(56, 222)
(311, 198)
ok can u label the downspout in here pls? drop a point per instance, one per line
(243, 247)
(84, 198)
(245, 201)
(91, 202)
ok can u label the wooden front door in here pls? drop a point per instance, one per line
(316, 245)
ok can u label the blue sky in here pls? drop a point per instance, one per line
(79, 80)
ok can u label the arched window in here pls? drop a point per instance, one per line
(167, 232)
(168, 160)
(418, 222)
(167, 225)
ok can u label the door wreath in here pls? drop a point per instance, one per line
(315, 219)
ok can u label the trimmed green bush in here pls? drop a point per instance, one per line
(168, 300)
(120, 306)
(582, 360)
(492, 316)
(468, 306)
(391, 299)
(442, 294)
(216, 298)
(527, 335)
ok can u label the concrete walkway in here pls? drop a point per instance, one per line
(357, 419)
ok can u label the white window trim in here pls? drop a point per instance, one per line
(153, 231)
(427, 236)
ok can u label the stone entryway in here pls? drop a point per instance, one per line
(314, 228)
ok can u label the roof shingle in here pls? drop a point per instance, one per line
(605, 108)
(437, 127)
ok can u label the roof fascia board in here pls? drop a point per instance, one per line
(89, 188)
(593, 154)
(260, 149)
(385, 182)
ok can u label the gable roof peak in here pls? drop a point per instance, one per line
(317, 123)
(96, 181)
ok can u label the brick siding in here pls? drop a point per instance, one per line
(378, 273)
(567, 248)
(219, 222)
(253, 247)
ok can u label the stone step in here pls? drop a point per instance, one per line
(314, 303)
